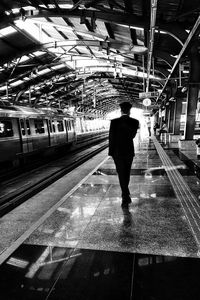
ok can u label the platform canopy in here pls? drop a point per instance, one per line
(93, 54)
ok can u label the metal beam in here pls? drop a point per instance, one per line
(191, 34)
(98, 44)
(111, 17)
(151, 40)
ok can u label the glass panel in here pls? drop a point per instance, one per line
(39, 126)
(60, 126)
(28, 127)
(22, 127)
(6, 129)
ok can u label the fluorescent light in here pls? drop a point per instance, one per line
(7, 30)
(59, 66)
(24, 58)
(67, 6)
(15, 10)
(18, 82)
(38, 53)
(20, 263)
(49, 5)
(137, 28)
(42, 72)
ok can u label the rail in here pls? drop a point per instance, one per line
(10, 200)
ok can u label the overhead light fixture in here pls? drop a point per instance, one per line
(137, 28)
(184, 89)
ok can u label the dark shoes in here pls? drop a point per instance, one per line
(125, 202)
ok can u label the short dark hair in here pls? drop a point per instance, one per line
(125, 107)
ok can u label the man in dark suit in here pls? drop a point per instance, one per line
(121, 148)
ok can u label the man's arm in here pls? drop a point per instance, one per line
(111, 139)
(136, 127)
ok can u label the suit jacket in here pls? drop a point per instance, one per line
(121, 134)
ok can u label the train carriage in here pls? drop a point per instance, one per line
(25, 131)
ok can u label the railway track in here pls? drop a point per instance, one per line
(17, 190)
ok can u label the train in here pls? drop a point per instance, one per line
(27, 131)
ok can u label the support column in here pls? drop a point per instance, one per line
(171, 117)
(177, 118)
(191, 111)
(192, 97)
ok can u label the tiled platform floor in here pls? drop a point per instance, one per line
(90, 248)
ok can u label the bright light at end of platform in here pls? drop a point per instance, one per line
(136, 113)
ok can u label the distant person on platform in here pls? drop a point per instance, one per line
(121, 148)
(155, 127)
(149, 125)
(163, 128)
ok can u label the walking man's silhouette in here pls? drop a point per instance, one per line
(121, 148)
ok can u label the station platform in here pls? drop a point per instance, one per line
(74, 241)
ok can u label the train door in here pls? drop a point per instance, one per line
(26, 139)
(52, 131)
(66, 128)
(71, 131)
(49, 130)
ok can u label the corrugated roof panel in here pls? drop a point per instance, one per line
(101, 28)
(77, 25)
(83, 50)
(122, 33)
(53, 32)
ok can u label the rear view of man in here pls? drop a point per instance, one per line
(121, 148)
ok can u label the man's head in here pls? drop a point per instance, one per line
(125, 107)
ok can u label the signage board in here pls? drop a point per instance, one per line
(148, 95)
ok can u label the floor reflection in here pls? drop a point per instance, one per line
(45, 272)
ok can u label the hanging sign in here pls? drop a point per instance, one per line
(146, 102)
(148, 94)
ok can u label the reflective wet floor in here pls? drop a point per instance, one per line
(45, 272)
(89, 248)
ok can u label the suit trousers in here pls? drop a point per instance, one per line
(123, 167)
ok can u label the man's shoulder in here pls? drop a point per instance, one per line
(134, 121)
(115, 120)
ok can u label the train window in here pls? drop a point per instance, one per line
(39, 126)
(69, 122)
(60, 125)
(22, 127)
(28, 127)
(6, 129)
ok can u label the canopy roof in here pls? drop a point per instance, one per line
(93, 54)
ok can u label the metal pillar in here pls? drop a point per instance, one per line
(167, 114)
(171, 117)
(192, 98)
(178, 110)
(194, 84)
(191, 112)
